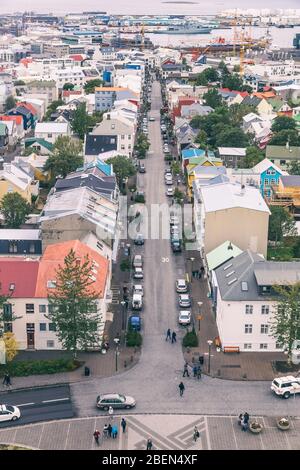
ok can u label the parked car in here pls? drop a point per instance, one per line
(138, 273)
(176, 243)
(184, 317)
(137, 302)
(174, 220)
(184, 300)
(115, 400)
(139, 239)
(181, 286)
(168, 171)
(152, 119)
(138, 289)
(137, 261)
(135, 322)
(168, 179)
(286, 386)
(170, 192)
(9, 413)
(142, 168)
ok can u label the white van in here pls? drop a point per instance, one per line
(286, 386)
(138, 261)
(137, 302)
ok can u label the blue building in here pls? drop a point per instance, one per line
(20, 242)
(269, 176)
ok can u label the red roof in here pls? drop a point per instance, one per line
(21, 273)
(28, 106)
(242, 93)
(18, 119)
(77, 57)
(25, 61)
(71, 92)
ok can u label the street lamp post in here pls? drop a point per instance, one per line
(209, 342)
(123, 303)
(192, 260)
(117, 340)
(199, 314)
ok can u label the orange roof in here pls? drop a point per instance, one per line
(265, 94)
(18, 119)
(71, 92)
(110, 88)
(28, 106)
(54, 257)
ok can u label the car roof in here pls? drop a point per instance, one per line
(184, 296)
(185, 312)
(181, 281)
(138, 286)
(288, 378)
(109, 395)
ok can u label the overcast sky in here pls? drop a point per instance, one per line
(140, 6)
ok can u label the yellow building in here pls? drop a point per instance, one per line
(15, 179)
(194, 168)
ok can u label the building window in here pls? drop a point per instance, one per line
(282, 162)
(32, 248)
(266, 182)
(249, 309)
(122, 137)
(122, 147)
(42, 308)
(264, 329)
(248, 346)
(7, 312)
(129, 136)
(13, 247)
(51, 308)
(8, 328)
(50, 344)
(278, 346)
(29, 308)
(52, 327)
(265, 309)
(263, 346)
(248, 328)
(43, 326)
(49, 136)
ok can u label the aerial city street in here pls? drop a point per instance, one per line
(150, 228)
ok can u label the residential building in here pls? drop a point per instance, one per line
(218, 207)
(286, 192)
(18, 120)
(106, 96)
(15, 179)
(269, 176)
(231, 156)
(20, 242)
(282, 155)
(50, 131)
(45, 87)
(244, 300)
(117, 127)
(3, 137)
(27, 116)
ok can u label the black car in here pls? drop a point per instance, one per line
(142, 168)
(139, 239)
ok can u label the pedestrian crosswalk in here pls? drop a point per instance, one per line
(115, 294)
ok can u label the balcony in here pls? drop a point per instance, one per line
(279, 197)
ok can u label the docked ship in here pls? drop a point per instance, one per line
(188, 28)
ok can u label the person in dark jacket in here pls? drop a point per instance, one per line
(168, 334)
(109, 430)
(173, 337)
(149, 444)
(123, 424)
(181, 388)
(185, 370)
(96, 436)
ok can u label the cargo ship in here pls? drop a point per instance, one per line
(188, 28)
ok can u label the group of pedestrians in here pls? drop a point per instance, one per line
(109, 431)
(244, 421)
(196, 371)
(171, 337)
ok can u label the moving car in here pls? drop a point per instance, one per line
(138, 273)
(181, 286)
(184, 300)
(137, 302)
(138, 289)
(152, 119)
(9, 413)
(115, 400)
(135, 322)
(137, 261)
(184, 317)
(139, 239)
(286, 386)
(170, 192)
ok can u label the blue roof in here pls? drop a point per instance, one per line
(189, 153)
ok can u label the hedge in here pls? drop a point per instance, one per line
(133, 339)
(190, 340)
(24, 368)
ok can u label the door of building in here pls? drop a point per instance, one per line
(30, 335)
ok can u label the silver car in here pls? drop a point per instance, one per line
(115, 400)
(184, 300)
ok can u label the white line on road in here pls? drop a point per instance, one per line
(25, 404)
(56, 399)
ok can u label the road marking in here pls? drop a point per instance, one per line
(25, 404)
(56, 399)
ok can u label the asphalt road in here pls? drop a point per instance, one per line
(154, 380)
(39, 404)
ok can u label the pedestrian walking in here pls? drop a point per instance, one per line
(168, 334)
(173, 337)
(114, 432)
(6, 380)
(123, 424)
(196, 434)
(185, 370)
(245, 421)
(149, 444)
(96, 436)
(105, 431)
(195, 370)
(109, 430)
(181, 388)
(198, 372)
(111, 412)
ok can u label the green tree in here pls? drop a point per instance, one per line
(285, 325)
(10, 103)
(178, 196)
(213, 98)
(235, 82)
(286, 136)
(90, 86)
(223, 69)
(95, 118)
(66, 157)
(176, 169)
(253, 156)
(283, 123)
(52, 108)
(201, 138)
(68, 86)
(281, 224)
(142, 145)
(209, 75)
(73, 305)
(229, 136)
(14, 209)
(294, 167)
(123, 168)
(80, 121)
(7, 316)
(238, 111)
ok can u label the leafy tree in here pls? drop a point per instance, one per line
(11, 346)
(95, 118)
(294, 167)
(142, 145)
(238, 111)
(73, 305)
(6, 315)
(14, 209)
(285, 325)
(209, 75)
(10, 103)
(123, 168)
(235, 82)
(68, 86)
(223, 69)
(229, 136)
(66, 157)
(213, 98)
(281, 224)
(201, 138)
(90, 86)
(178, 196)
(253, 156)
(176, 169)
(80, 121)
(283, 123)
(284, 136)
(52, 108)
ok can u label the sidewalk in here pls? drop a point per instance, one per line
(241, 366)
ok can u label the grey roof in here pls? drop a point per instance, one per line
(219, 179)
(96, 144)
(19, 234)
(282, 273)
(282, 152)
(99, 185)
(251, 100)
(290, 180)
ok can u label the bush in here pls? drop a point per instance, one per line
(169, 158)
(125, 265)
(24, 368)
(133, 339)
(190, 339)
(139, 198)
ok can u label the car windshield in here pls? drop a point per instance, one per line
(276, 383)
(9, 408)
(185, 315)
(122, 398)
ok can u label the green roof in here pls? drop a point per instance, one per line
(275, 103)
(221, 254)
(42, 142)
(282, 152)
